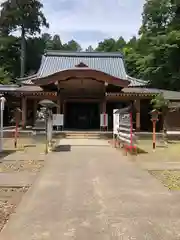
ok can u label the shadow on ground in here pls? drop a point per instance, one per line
(62, 148)
(5, 153)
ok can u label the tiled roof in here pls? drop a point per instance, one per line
(56, 61)
(31, 88)
(9, 88)
(170, 95)
(111, 64)
(134, 82)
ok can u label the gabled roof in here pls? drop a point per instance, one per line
(57, 61)
(53, 62)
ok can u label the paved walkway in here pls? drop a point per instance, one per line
(94, 193)
(16, 179)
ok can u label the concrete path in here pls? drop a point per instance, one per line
(18, 179)
(24, 156)
(94, 193)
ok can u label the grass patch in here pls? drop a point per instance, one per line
(169, 178)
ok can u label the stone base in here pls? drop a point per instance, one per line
(40, 125)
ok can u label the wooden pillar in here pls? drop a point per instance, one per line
(103, 106)
(34, 111)
(58, 99)
(102, 111)
(138, 115)
(59, 106)
(24, 111)
(64, 108)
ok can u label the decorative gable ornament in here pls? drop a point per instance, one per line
(81, 65)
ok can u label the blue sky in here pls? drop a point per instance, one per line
(90, 21)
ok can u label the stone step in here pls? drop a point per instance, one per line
(81, 137)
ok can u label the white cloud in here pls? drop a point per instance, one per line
(113, 18)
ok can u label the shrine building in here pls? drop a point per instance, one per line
(83, 85)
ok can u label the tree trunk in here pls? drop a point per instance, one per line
(23, 52)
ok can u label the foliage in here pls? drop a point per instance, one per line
(157, 14)
(89, 49)
(10, 54)
(108, 45)
(5, 77)
(72, 46)
(25, 16)
(17, 14)
(159, 102)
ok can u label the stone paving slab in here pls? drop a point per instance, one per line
(83, 142)
(17, 156)
(95, 193)
(17, 179)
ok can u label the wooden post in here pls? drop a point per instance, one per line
(154, 134)
(24, 111)
(138, 115)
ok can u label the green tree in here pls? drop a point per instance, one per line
(161, 104)
(108, 45)
(47, 39)
(10, 54)
(157, 14)
(72, 46)
(25, 16)
(35, 49)
(90, 49)
(56, 43)
(120, 44)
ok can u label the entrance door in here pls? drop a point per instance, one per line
(84, 116)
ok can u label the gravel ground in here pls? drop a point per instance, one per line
(17, 166)
(9, 199)
(169, 178)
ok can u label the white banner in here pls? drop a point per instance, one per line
(115, 121)
(58, 119)
(103, 120)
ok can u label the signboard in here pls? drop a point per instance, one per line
(125, 130)
(103, 120)
(115, 121)
(58, 119)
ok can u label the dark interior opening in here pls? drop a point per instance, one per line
(82, 116)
